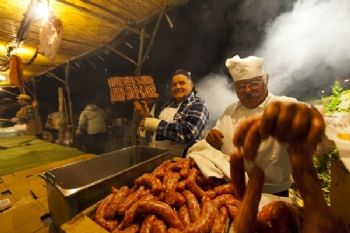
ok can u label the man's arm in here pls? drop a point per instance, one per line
(82, 123)
(188, 129)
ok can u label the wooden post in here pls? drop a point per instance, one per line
(135, 117)
(140, 57)
(71, 127)
(62, 127)
(154, 33)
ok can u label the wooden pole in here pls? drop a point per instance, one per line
(140, 57)
(121, 54)
(62, 127)
(71, 127)
(135, 118)
(154, 33)
(35, 96)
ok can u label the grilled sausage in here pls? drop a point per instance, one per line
(232, 211)
(284, 120)
(237, 174)
(269, 119)
(170, 180)
(252, 141)
(206, 220)
(132, 211)
(150, 180)
(300, 123)
(317, 128)
(160, 209)
(184, 215)
(109, 225)
(131, 199)
(158, 226)
(221, 200)
(186, 164)
(194, 188)
(192, 205)
(174, 167)
(174, 230)
(181, 186)
(147, 224)
(159, 171)
(117, 199)
(241, 131)
(224, 189)
(131, 229)
(246, 218)
(220, 221)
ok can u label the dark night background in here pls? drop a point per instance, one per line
(204, 35)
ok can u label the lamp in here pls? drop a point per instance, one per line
(41, 11)
(2, 78)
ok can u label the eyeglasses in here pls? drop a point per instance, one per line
(253, 85)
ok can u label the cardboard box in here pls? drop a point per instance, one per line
(83, 222)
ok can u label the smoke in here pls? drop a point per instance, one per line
(218, 93)
(306, 49)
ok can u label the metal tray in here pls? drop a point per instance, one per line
(74, 187)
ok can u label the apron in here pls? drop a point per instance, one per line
(176, 148)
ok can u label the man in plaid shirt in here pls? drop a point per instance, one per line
(182, 121)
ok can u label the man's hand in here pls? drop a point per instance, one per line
(138, 108)
(14, 120)
(142, 125)
(141, 108)
(214, 138)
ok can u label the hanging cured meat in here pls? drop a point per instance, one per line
(16, 71)
(50, 37)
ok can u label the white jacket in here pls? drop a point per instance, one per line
(92, 120)
(272, 156)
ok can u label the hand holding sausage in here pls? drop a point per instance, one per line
(141, 108)
(291, 122)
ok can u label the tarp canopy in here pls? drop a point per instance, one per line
(87, 27)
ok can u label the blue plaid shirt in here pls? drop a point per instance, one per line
(190, 121)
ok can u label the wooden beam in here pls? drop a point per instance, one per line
(69, 99)
(55, 77)
(154, 33)
(140, 57)
(121, 54)
(108, 19)
(92, 64)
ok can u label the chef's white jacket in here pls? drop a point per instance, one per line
(272, 155)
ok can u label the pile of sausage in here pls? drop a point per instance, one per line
(175, 197)
(132, 88)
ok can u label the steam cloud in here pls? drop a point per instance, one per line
(216, 100)
(306, 49)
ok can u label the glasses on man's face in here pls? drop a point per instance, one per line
(253, 85)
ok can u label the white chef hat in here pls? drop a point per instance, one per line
(245, 68)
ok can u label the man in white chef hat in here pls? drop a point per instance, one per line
(250, 82)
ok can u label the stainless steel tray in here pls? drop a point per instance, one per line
(74, 187)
